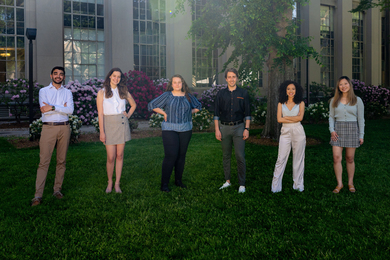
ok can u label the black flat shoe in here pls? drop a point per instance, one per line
(180, 184)
(165, 188)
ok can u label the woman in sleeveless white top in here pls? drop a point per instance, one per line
(291, 109)
(113, 123)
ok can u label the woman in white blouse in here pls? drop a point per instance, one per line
(291, 109)
(346, 125)
(114, 123)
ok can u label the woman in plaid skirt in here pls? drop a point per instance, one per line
(346, 125)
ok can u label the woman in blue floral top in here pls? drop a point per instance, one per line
(177, 106)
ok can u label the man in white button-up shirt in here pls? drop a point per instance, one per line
(56, 103)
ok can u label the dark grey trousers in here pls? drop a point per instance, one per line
(232, 135)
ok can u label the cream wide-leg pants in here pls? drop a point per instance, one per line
(291, 135)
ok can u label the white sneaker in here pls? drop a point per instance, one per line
(241, 189)
(225, 185)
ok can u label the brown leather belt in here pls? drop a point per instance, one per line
(56, 123)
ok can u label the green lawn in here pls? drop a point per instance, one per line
(201, 222)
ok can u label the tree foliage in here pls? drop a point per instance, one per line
(251, 28)
(368, 4)
(260, 33)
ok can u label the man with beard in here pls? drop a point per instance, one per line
(56, 103)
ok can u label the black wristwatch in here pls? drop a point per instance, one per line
(247, 128)
(53, 108)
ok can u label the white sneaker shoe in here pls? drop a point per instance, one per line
(241, 189)
(225, 185)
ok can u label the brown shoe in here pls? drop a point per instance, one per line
(338, 189)
(58, 195)
(36, 201)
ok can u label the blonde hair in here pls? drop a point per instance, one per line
(352, 99)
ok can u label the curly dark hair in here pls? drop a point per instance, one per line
(122, 89)
(184, 86)
(298, 98)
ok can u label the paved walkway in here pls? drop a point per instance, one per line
(23, 132)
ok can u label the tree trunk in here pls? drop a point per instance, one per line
(276, 76)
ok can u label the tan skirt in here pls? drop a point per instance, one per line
(117, 129)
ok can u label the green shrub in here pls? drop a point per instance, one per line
(201, 120)
(375, 98)
(74, 124)
(14, 93)
(316, 112)
(155, 120)
(320, 92)
(260, 114)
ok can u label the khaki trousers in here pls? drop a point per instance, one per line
(51, 135)
(291, 135)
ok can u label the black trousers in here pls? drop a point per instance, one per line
(175, 149)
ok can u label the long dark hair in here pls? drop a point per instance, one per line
(298, 98)
(122, 89)
(184, 86)
(338, 94)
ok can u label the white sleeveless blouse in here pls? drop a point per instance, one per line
(113, 105)
(287, 112)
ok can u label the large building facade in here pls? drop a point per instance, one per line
(89, 37)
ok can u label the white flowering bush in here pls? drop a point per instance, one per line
(95, 122)
(201, 120)
(260, 114)
(316, 112)
(155, 120)
(74, 124)
(35, 129)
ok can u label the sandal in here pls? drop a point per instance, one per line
(117, 188)
(109, 188)
(351, 188)
(338, 189)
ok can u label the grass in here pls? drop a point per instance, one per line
(200, 222)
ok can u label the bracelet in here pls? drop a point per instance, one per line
(246, 128)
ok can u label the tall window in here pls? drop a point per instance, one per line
(327, 45)
(149, 30)
(357, 45)
(204, 68)
(84, 39)
(12, 62)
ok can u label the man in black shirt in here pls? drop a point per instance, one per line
(232, 117)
